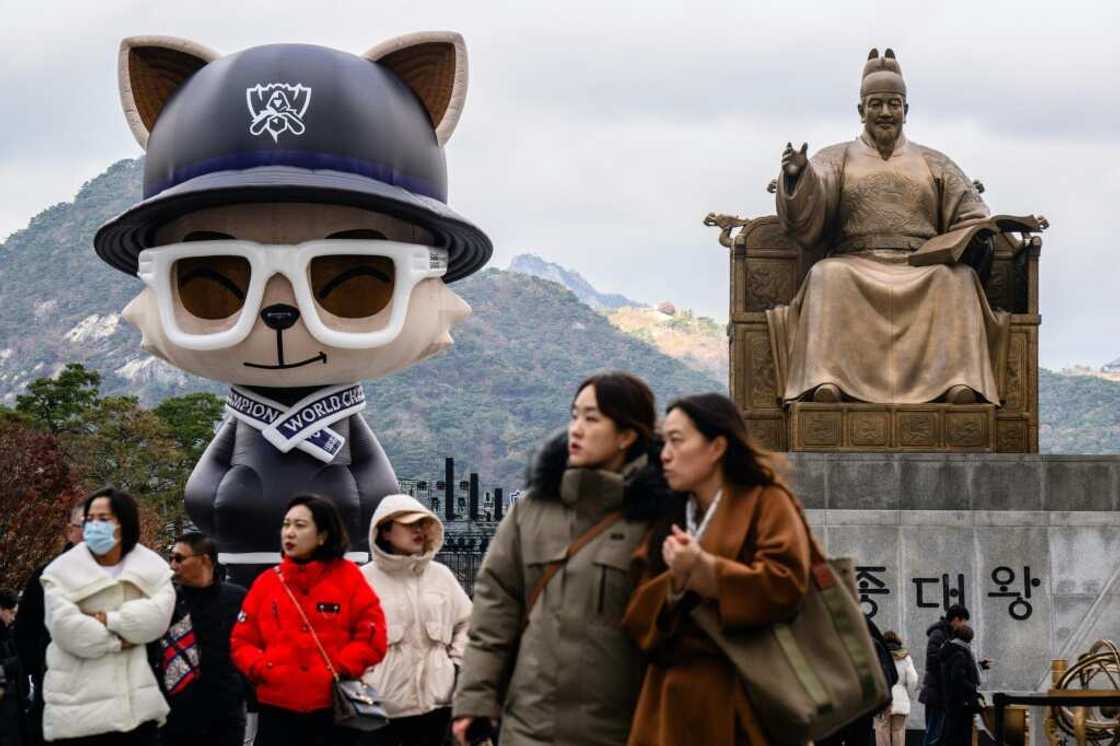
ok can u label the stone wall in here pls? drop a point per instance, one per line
(929, 530)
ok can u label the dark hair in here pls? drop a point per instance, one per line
(956, 611)
(125, 509)
(892, 640)
(8, 599)
(327, 520)
(964, 632)
(200, 544)
(628, 402)
(744, 464)
(381, 542)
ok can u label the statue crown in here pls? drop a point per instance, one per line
(882, 74)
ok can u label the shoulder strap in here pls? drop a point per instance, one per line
(554, 567)
(310, 627)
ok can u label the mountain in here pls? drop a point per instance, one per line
(1078, 414)
(530, 264)
(697, 341)
(488, 401)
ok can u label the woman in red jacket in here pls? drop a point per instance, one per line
(273, 648)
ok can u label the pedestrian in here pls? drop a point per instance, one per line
(546, 654)
(13, 681)
(931, 696)
(960, 687)
(105, 599)
(427, 612)
(31, 634)
(740, 549)
(206, 693)
(280, 654)
(890, 726)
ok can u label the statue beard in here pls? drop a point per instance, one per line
(885, 139)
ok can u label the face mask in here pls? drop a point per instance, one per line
(99, 536)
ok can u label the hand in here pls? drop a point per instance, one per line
(99, 616)
(125, 644)
(986, 663)
(459, 729)
(682, 554)
(794, 161)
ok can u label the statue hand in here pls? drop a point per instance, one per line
(794, 161)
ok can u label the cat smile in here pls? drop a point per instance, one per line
(321, 357)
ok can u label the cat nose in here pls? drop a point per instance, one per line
(279, 316)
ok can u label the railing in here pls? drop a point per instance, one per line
(1000, 700)
(465, 566)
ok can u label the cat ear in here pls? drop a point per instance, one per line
(434, 65)
(149, 70)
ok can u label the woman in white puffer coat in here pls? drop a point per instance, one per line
(426, 611)
(105, 599)
(890, 726)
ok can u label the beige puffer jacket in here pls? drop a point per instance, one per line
(427, 613)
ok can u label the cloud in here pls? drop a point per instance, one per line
(600, 134)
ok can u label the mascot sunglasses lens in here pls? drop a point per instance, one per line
(352, 286)
(212, 287)
(347, 286)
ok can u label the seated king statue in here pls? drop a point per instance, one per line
(865, 324)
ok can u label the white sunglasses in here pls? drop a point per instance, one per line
(225, 281)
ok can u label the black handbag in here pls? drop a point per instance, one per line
(356, 704)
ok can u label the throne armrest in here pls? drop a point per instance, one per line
(1013, 283)
(767, 266)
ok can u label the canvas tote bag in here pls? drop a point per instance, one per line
(815, 673)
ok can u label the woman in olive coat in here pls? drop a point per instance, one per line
(564, 671)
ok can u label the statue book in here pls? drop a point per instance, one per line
(949, 247)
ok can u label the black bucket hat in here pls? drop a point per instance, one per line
(295, 123)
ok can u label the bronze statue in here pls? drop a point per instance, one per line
(866, 325)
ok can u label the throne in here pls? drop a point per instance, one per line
(767, 268)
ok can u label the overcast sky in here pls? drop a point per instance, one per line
(599, 134)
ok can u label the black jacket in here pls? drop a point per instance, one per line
(219, 691)
(936, 636)
(237, 491)
(31, 636)
(13, 686)
(960, 679)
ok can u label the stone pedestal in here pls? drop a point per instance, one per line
(1029, 543)
(847, 427)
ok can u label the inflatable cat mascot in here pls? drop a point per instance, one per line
(293, 240)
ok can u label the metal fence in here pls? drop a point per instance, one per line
(465, 566)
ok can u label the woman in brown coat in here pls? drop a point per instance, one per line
(740, 548)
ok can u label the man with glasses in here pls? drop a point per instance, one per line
(30, 632)
(206, 693)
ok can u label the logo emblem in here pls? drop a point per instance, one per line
(277, 108)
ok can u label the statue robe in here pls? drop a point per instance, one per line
(864, 319)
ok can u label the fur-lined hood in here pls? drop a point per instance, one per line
(646, 496)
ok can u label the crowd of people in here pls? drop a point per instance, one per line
(579, 631)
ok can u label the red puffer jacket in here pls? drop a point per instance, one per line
(273, 648)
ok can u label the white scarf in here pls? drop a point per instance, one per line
(304, 425)
(690, 516)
